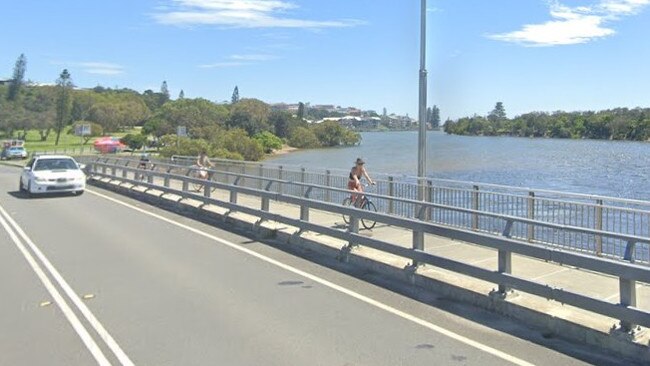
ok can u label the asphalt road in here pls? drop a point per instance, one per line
(137, 285)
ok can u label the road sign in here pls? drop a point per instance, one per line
(82, 129)
(181, 131)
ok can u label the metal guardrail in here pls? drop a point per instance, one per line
(161, 176)
(610, 214)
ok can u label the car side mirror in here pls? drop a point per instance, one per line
(27, 168)
(82, 166)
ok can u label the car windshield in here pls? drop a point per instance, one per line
(55, 164)
(16, 149)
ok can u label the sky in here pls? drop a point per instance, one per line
(532, 55)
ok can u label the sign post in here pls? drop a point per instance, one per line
(81, 130)
(181, 131)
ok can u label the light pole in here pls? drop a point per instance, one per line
(418, 236)
(422, 136)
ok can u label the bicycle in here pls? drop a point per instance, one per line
(202, 173)
(363, 202)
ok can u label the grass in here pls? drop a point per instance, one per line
(67, 141)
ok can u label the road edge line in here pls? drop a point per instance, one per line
(68, 313)
(438, 329)
(72, 295)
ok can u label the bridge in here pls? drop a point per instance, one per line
(125, 275)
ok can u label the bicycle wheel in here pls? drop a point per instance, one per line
(347, 202)
(367, 223)
(195, 185)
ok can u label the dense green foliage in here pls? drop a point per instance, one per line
(268, 141)
(133, 141)
(614, 124)
(245, 129)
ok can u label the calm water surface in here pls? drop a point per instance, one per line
(611, 168)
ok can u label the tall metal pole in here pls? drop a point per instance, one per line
(422, 136)
(418, 236)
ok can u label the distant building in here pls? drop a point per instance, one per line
(6, 81)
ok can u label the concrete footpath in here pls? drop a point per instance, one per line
(552, 317)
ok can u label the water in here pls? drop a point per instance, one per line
(608, 168)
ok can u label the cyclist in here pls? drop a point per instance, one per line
(354, 182)
(203, 162)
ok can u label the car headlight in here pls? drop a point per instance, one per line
(40, 180)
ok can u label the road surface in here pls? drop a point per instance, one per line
(102, 279)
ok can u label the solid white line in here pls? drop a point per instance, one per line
(88, 341)
(367, 300)
(90, 317)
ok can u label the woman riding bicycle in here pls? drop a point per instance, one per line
(354, 183)
(203, 162)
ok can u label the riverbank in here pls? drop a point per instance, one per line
(286, 149)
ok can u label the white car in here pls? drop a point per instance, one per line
(52, 174)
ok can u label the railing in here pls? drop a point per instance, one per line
(176, 179)
(74, 150)
(610, 214)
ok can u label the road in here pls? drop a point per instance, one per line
(102, 279)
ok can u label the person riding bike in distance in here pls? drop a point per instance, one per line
(204, 163)
(354, 182)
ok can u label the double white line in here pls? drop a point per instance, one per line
(23, 242)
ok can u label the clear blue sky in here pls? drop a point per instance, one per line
(533, 55)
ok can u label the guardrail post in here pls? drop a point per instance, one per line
(599, 226)
(186, 185)
(265, 200)
(418, 236)
(166, 179)
(505, 266)
(353, 228)
(505, 259)
(280, 178)
(627, 288)
(233, 193)
(531, 215)
(149, 178)
(328, 181)
(304, 209)
(475, 200)
(303, 174)
(113, 171)
(391, 193)
(207, 188)
(260, 174)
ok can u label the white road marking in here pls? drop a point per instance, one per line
(482, 347)
(90, 317)
(87, 340)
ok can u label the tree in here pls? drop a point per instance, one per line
(498, 114)
(384, 112)
(434, 119)
(134, 141)
(235, 95)
(164, 93)
(303, 138)
(198, 115)
(251, 115)
(63, 102)
(181, 95)
(301, 111)
(268, 141)
(18, 78)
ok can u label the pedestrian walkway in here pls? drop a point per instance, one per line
(580, 281)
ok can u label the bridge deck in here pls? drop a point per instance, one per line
(580, 281)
